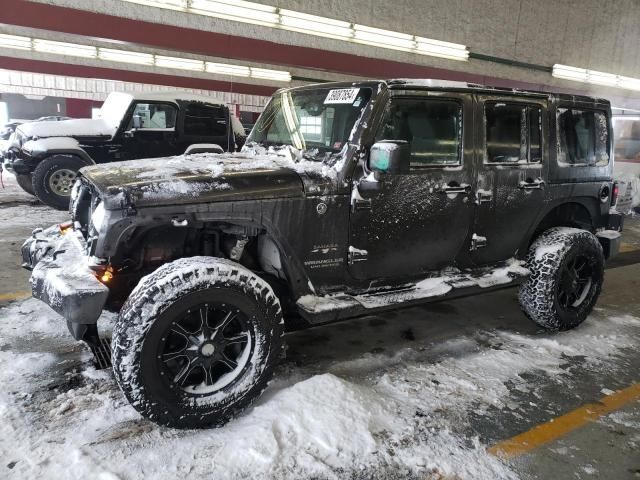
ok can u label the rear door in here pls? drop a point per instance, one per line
(512, 162)
(204, 123)
(417, 221)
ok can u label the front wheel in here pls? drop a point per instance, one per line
(197, 341)
(567, 272)
(54, 177)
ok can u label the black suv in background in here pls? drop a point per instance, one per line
(347, 199)
(46, 156)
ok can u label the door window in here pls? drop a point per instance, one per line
(148, 116)
(583, 138)
(513, 133)
(202, 120)
(433, 128)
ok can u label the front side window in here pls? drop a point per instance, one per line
(153, 116)
(202, 120)
(583, 137)
(433, 129)
(513, 133)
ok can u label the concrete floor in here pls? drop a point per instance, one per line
(608, 448)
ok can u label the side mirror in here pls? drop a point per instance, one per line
(136, 122)
(390, 156)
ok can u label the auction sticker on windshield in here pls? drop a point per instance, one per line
(342, 95)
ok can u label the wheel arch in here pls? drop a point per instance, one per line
(211, 238)
(68, 152)
(577, 213)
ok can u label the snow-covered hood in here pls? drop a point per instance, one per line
(78, 128)
(199, 178)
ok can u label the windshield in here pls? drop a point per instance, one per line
(114, 108)
(316, 122)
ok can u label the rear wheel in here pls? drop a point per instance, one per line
(197, 342)
(567, 272)
(26, 183)
(54, 177)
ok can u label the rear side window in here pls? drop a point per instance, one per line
(583, 138)
(202, 120)
(513, 133)
(433, 128)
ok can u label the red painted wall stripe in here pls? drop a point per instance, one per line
(84, 71)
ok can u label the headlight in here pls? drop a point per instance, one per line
(98, 216)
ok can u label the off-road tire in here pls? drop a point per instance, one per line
(548, 258)
(26, 182)
(149, 310)
(48, 167)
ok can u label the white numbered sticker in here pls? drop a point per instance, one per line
(342, 95)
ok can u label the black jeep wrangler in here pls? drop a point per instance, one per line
(347, 199)
(46, 156)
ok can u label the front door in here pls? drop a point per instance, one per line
(417, 221)
(151, 131)
(512, 160)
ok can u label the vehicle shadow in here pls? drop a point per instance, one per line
(420, 329)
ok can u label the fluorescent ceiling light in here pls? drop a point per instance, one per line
(629, 83)
(180, 63)
(266, 74)
(225, 69)
(237, 10)
(266, 15)
(438, 48)
(125, 56)
(313, 24)
(15, 42)
(594, 77)
(601, 78)
(171, 4)
(63, 48)
(383, 38)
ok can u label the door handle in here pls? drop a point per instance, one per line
(361, 204)
(529, 184)
(455, 187)
(484, 196)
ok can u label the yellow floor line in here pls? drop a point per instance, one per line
(558, 427)
(627, 247)
(9, 297)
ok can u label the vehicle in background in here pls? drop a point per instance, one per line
(9, 128)
(46, 156)
(348, 199)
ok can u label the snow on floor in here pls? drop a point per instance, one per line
(400, 414)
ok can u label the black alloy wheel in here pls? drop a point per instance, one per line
(206, 348)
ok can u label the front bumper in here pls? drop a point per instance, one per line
(61, 277)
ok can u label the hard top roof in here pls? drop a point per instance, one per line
(174, 96)
(434, 84)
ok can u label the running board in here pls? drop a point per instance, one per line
(448, 284)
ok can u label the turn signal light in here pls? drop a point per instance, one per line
(65, 227)
(106, 276)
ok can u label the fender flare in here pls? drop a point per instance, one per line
(41, 149)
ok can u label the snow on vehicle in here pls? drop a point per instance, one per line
(347, 199)
(46, 156)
